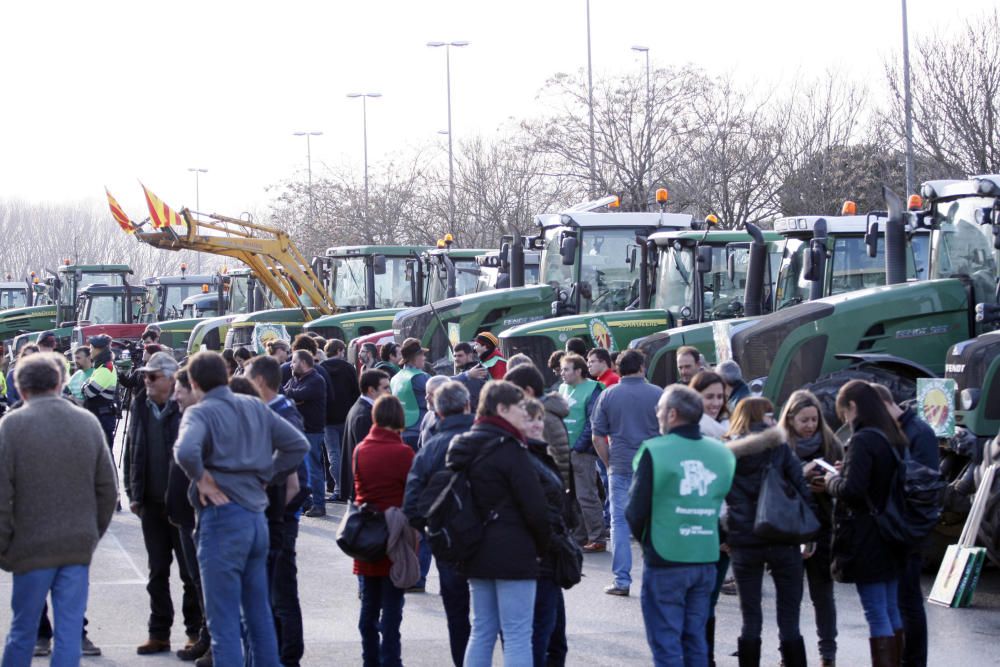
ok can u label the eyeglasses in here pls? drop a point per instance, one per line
(151, 377)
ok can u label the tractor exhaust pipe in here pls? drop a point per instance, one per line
(895, 239)
(817, 261)
(516, 260)
(753, 294)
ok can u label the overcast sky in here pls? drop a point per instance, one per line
(108, 93)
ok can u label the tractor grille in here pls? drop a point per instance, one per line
(755, 347)
(539, 348)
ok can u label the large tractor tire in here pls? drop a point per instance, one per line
(825, 388)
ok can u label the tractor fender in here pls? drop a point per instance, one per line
(889, 362)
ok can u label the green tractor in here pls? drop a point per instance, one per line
(240, 293)
(820, 256)
(64, 287)
(22, 294)
(167, 297)
(697, 277)
(896, 333)
(374, 289)
(589, 264)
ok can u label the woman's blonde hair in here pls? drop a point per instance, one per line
(833, 449)
(750, 411)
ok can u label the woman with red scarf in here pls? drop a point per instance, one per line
(487, 347)
(503, 572)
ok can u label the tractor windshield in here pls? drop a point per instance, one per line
(554, 272)
(172, 298)
(103, 309)
(239, 294)
(348, 275)
(13, 298)
(467, 278)
(609, 280)
(72, 286)
(677, 281)
(963, 246)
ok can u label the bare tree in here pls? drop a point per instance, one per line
(955, 83)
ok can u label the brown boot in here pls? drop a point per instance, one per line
(900, 638)
(153, 646)
(883, 651)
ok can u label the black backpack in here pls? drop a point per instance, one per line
(453, 524)
(913, 506)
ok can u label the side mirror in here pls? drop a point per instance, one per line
(409, 270)
(536, 243)
(813, 260)
(504, 254)
(567, 249)
(631, 259)
(704, 259)
(871, 239)
(378, 264)
(731, 267)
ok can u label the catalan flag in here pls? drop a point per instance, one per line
(161, 214)
(119, 214)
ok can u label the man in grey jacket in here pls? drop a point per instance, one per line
(231, 446)
(49, 546)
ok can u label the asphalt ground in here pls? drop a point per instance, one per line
(602, 630)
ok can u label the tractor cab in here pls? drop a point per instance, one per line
(168, 293)
(14, 294)
(371, 277)
(118, 311)
(71, 281)
(448, 272)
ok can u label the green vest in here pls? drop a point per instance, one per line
(492, 361)
(402, 388)
(80, 378)
(577, 397)
(690, 481)
(3, 384)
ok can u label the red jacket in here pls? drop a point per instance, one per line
(608, 378)
(381, 463)
(499, 368)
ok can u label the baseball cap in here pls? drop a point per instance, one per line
(161, 362)
(45, 336)
(100, 340)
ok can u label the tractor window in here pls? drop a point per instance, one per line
(852, 268)
(554, 272)
(467, 279)
(675, 282)
(348, 278)
(608, 282)
(173, 299)
(792, 287)
(392, 289)
(71, 287)
(13, 298)
(104, 310)
(723, 298)
(965, 247)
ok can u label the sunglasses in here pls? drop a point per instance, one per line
(152, 377)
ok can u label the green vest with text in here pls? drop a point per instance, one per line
(690, 481)
(402, 388)
(577, 397)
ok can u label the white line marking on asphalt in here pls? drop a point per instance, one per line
(127, 556)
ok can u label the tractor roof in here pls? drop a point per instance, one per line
(835, 224)
(113, 290)
(987, 185)
(388, 250)
(95, 268)
(590, 219)
(460, 253)
(720, 237)
(185, 279)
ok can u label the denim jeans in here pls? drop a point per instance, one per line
(721, 568)
(69, 585)
(332, 435)
(675, 603)
(232, 554)
(317, 476)
(424, 555)
(455, 597)
(821, 593)
(381, 613)
(621, 543)
(547, 598)
(911, 609)
(785, 564)
(501, 605)
(602, 470)
(879, 601)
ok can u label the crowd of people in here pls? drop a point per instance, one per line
(225, 455)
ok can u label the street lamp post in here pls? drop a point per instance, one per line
(590, 107)
(198, 171)
(364, 115)
(451, 156)
(649, 122)
(907, 104)
(309, 168)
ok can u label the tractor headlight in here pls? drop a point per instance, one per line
(968, 399)
(757, 385)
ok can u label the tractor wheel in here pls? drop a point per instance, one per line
(826, 388)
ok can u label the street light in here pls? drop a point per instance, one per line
(364, 115)
(309, 167)
(649, 114)
(451, 156)
(198, 171)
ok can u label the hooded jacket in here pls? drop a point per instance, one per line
(753, 452)
(556, 437)
(504, 484)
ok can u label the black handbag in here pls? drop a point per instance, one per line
(567, 569)
(363, 533)
(783, 515)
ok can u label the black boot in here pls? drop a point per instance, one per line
(793, 653)
(710, 640)
(883, 651)
(749, 652)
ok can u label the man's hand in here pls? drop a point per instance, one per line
(135, 507)
(478, 373)
(209, 493)
(602, 447)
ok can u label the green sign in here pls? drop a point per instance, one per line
(936, 404)
(264, 333)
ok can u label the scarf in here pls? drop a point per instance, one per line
(503, 425)
(808, 448)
